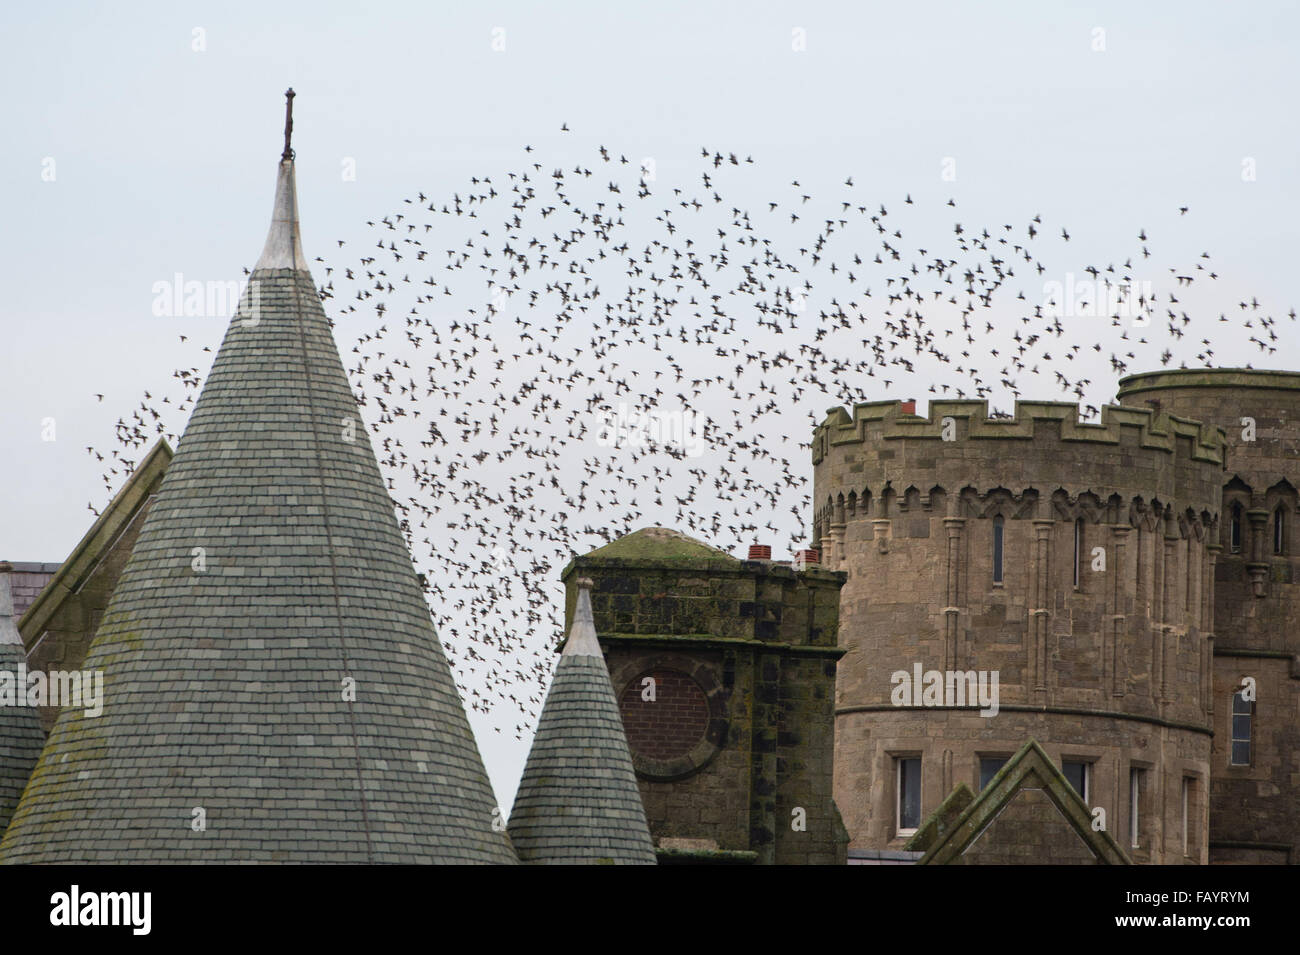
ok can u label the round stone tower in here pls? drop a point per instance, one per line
(1255, 768)
(1071, 563)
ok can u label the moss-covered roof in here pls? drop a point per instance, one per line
(659, 544)
(943, 818)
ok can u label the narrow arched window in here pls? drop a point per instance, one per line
(1234, 530)
(1078, 551)
(1279, 531)
(997, 549)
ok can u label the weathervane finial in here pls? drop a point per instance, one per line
(288, 124)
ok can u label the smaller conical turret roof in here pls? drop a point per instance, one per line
(578, 801)
(21, 737)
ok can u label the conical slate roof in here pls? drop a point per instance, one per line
(274, 689)
(21, 736)
(578, 801)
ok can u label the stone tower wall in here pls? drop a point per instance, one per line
(1114, 670)
(734, 753)
(1254, 810)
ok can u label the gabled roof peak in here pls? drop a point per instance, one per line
(949, 831)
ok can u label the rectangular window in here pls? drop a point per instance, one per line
(1135, 787)
(908, 771)
(1242, 714)
(989, 766)
(1077, 773)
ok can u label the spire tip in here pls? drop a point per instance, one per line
(288, 123)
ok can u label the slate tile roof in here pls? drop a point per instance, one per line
(21, 736)
(270, 573)
(578, 801)
(28, 579)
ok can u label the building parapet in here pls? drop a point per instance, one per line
(1036, 421)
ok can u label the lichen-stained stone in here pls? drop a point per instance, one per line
(578, 801)
(274, 690)
(21, 737)
(1028, 815)
(731, 738)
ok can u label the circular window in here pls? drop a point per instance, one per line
(668, 719)
(665, 713)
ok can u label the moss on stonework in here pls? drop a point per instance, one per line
(942, 819)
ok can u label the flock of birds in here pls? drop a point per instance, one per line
(514, 331)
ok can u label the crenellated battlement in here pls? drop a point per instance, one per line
(1033, 420)
(1132, 457)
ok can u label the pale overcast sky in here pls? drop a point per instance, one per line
(141, 142)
